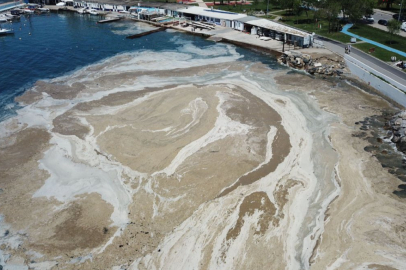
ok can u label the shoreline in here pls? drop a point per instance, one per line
(133, 153)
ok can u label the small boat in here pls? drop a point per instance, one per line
(12, 17)
(17, 11)
(4, 31)
(43, 10)
(61, 4)
(82, 10)
(93, 12)
(28, 11)
(4, 18)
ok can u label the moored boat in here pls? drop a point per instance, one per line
(43, 10)
(4, 31)
(28, 11)
(12, 17)
(93, 12)
(4, 18)
(82, 10)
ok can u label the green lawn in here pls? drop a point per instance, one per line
(378, 35)
(246, 8)
(379, 53)
(307, 23)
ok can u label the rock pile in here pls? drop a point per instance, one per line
(397, 129)
(302, 61)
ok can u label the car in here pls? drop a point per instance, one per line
(403, 26)
(383, 22)
(402, 17)
(368, 19)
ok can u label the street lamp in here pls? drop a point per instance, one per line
(267, 7)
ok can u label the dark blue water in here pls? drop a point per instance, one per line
(51, 45)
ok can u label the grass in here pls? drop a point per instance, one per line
(309, 24)
(380, 36)
(246, 8)
(379, 53)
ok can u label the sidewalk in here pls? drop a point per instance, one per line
(201, 3)
(348, 26)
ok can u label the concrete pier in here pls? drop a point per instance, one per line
(147, 33)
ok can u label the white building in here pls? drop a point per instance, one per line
(214, 16)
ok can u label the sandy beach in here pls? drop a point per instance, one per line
(172, 161)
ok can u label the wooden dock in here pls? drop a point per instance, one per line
(146, 33)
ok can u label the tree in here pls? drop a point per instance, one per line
(331, 11)
(388, 3)
(357, 9)
(393, 28)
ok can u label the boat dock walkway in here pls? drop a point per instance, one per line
(225, 34)
(11, 5)
(146, 33)
(109, 20)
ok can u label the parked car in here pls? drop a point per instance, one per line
(368, 19)
(402, 17)
(403, 26)
(383, 22)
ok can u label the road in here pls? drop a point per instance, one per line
(374, 63)
(384, 15)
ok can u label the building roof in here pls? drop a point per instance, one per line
(277, 27)
(247, 19)
(213, 13)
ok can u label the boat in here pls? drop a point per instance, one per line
(43, 10)
(61, 4)
(4, 31)
(93, 12)
(28, 11)
(12, 17)
(82, 10)
(4, 18)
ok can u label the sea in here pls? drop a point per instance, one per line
(50, 45)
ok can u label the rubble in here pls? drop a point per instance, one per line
(396, 127)
(322, 65)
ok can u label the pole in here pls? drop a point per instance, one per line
(400, 11)
(267, 7)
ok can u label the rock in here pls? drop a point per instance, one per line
(398, 121)
(395, 139)
(402, 144)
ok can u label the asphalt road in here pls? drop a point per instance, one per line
(384, 15)
(374, 63)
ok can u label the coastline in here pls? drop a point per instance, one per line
(167, 134)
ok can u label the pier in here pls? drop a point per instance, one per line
(109, 20)
(11, 5)
(147, 33)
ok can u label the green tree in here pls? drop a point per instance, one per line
(388, 3)
(331, 9)
(393, 28)
(357, 9)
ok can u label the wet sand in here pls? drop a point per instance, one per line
(227, 165)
